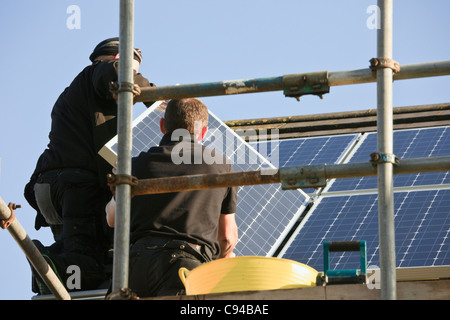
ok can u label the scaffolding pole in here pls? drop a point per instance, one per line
(386, 227)
(287, 82)
(124, 131)
(290, 177)
(32, 253)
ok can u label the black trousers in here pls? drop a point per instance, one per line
(73, 204)
(154, 265)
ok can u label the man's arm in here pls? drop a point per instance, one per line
(104, 73)
(111, 212)
(227, 235)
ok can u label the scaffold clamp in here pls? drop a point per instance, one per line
(116, 179)
(297, 85)
(381, 63)
(376, 158)
(117, 87)
(303, 177)
(5, 223)
(122, 294)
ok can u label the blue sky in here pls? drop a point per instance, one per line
(195, 41)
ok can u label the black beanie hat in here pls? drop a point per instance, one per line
(110, 47)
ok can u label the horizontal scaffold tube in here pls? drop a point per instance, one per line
(32, 253)
(288, 175)
(336, 78)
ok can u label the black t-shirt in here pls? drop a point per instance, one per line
(192, 216)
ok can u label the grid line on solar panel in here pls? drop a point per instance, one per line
(265, 212)
(422, 225)
(411, 143)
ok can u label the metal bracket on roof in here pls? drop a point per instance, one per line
(303, 177)
(376, 158)
(297, 85)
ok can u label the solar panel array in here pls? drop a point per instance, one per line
(421, 230)
(309, 151)
(418, 143)
(346, 209)
(265, 213)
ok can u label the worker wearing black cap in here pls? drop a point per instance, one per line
(68, 187)
(110, 47)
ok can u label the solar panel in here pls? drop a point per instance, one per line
(414, 143)
(265, 213)
(308, 151)
(422, 227)
(422, 222)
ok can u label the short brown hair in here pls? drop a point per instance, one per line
(183, 113)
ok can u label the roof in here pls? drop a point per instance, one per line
(429, 115)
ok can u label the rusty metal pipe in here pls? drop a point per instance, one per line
(335, 78)
(203, 181)
(211, 89)
(124, 132)
(244, 178)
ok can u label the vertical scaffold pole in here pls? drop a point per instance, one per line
(124, 130)
(385, 146)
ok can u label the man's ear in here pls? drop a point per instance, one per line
(162, 126)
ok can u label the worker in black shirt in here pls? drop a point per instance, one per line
(68, 187)
(178, 229)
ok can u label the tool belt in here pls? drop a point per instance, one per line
(202, 252)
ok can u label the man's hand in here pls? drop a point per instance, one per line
(227, 235)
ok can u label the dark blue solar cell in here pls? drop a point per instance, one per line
(422, 227)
